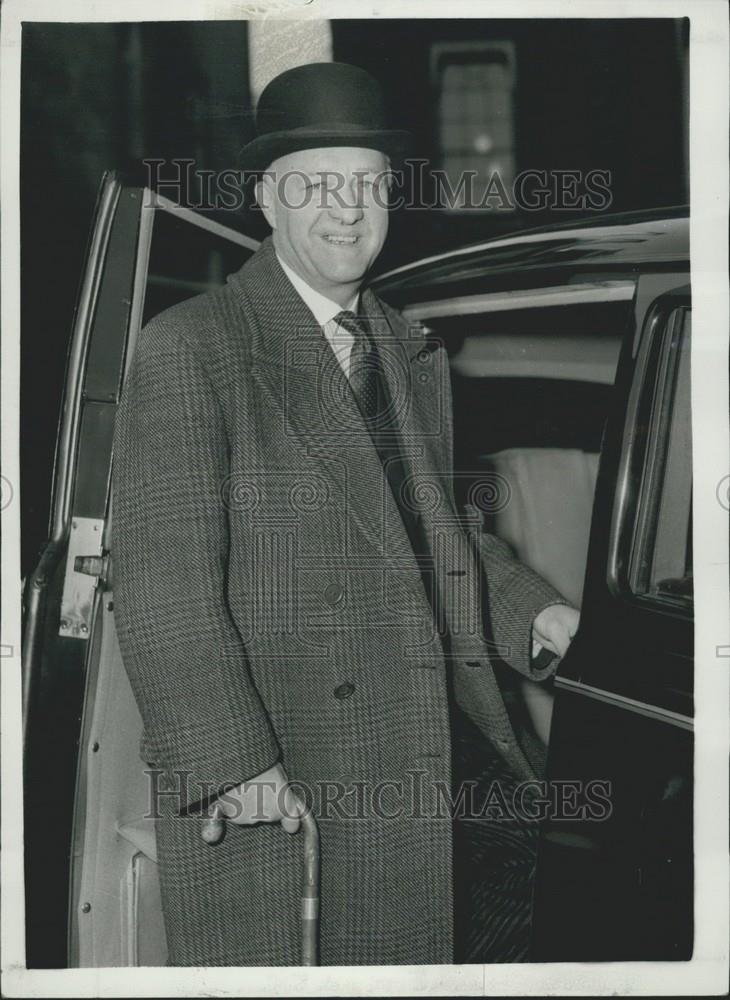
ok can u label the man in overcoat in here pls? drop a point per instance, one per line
(297, 597)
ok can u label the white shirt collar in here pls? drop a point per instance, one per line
(324, 309)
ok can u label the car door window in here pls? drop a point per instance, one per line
(661, 559)
(189, 254)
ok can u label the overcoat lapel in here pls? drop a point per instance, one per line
(413, 376)
(426, 435)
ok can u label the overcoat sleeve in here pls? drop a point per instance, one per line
(185, 659)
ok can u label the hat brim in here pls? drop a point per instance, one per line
(258, 154)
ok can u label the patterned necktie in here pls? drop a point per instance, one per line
(370, 390)
(364, 369)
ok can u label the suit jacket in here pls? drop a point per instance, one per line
(270, 607)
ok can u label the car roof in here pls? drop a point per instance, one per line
(628, 241)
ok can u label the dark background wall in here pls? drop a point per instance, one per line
(590, 94)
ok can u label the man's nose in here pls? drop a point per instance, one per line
(346, 205)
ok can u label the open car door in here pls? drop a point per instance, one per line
(615, 871)
(92, 894)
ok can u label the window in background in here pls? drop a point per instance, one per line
(474, 83)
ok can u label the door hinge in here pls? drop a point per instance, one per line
(86, 566)
(93, 566)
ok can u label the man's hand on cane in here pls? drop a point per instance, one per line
(267, 798)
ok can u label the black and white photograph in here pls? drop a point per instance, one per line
(364, 499)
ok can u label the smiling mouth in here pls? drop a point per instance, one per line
(340, 241)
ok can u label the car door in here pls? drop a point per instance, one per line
(615, 870)
(92, 896)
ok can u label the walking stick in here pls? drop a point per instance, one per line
(212, 833)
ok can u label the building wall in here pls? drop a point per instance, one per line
(590, 93)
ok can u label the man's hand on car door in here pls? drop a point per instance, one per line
(555, 627)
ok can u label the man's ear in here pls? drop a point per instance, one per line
(266, 197)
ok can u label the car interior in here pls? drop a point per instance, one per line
(531, 389)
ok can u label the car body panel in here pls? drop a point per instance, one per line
(621, 887)
(612, 248)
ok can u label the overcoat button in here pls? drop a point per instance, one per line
(333, 593)
(344, 690)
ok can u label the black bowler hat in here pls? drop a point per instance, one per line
(321, 104)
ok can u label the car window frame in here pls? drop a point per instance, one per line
(631, 520)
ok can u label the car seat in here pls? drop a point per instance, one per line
(546, 519)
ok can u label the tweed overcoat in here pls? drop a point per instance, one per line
(270, 608)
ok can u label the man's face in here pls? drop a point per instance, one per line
(328, 212)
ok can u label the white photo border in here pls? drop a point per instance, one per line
(707, 972)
